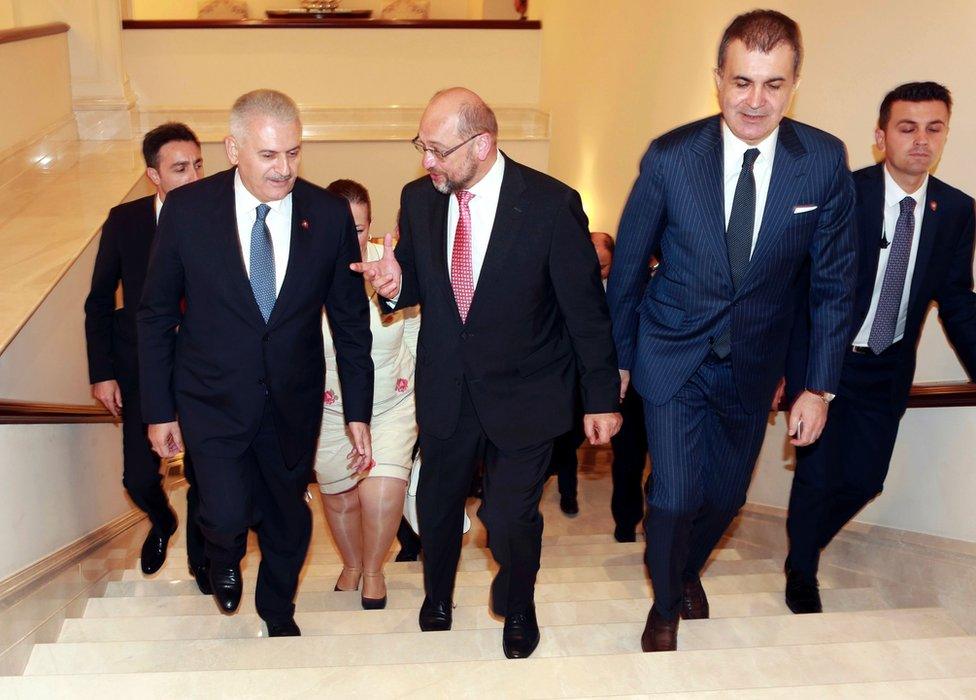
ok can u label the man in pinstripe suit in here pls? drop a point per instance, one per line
(736, 207)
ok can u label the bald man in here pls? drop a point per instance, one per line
(499, 258)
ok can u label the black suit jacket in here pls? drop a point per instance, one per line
(538, 313)
(943, 274)
(123, 254)
(225, 363)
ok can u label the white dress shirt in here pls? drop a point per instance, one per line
(158, 206)
(892, 208)
(733, 148)
(483, 206)
(278, 221)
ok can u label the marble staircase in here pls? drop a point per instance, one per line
(159, 637)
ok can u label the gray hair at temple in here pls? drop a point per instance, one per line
(263, 103)
(474, 115)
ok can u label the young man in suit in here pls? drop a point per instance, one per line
(499, 258)
(173, 159)
(915, 242)
(257, 252)
(734, 206)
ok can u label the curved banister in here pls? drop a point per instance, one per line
(8, 36)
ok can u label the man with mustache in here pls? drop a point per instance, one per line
(736, 207)
(499, 258)
(257, 252)
(915, 243)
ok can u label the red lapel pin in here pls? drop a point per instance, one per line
(304, 224)
(933, 205)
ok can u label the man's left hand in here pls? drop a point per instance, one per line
(600, 427)
(811, 411)
(361, 455)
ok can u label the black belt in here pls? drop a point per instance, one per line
(865, 350)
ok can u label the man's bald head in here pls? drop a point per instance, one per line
(468, 112)
(603, 242)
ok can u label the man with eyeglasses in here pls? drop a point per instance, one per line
(499, 257)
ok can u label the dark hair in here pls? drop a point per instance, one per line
(763, 30)
(154, 140)
(352, 192)
(927, 91)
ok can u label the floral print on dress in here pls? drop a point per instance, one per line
(329, 397)
(401, 385)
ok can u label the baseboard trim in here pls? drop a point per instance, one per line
(18, 584)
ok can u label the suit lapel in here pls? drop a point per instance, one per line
(927, 235)
(707, 172)
(870, 223)
(504, 232)
(785, 181)
(299, 254)
(438, 242)
(229, 247)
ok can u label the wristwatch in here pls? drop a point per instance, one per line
(825, 396)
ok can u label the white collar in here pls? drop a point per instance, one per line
(157, 206)
(734, 147)
(894, 193)
(245, 201)
(491, 183)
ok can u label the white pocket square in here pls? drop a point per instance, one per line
(804, 208)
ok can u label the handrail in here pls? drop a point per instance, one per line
(309, 23)
(34, 31)
(924, 395)
(31, 412)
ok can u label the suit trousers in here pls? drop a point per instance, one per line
(703, 450)
(841, 472)
(256, 490)
(513, 482)
(141, 466)
(565, 462)
(629, 460)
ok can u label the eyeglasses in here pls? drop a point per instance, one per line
(438, 154)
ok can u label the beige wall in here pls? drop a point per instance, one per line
(34, 100)
(208, 69)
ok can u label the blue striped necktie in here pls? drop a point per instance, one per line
(893, 287)
(262, 263)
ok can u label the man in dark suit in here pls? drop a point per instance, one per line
(499, 258)
(172, 155)
(915, 238)
(257, 252)
(734, 206)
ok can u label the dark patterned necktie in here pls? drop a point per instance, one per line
(738, 236)
(262, 266)
(893, 286)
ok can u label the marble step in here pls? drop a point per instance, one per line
(410, 575)
(471, 560)
(117, 629)
(928, 688)
(620, 674)
(484, 644)
(463, 596)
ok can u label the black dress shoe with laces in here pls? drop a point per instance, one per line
(802, 594)
(436, 616)
(202, 575)
(520, 636)
(153, 554)
(694, 602)
(283, 628)
(569, 505)
(227, 585)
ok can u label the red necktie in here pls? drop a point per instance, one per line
(462, 275)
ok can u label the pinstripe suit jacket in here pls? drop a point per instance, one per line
(675, 211)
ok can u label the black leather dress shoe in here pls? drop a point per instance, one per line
(622, 534)
(802, 594)
(406, 555)
(202, 575)
(435, 617)
(659, 634)
(569, 505)
(153, 554)
(694, 602)
(520, 636)
(227, 585)
(283, 628)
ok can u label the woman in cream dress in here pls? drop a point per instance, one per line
(364, 508)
